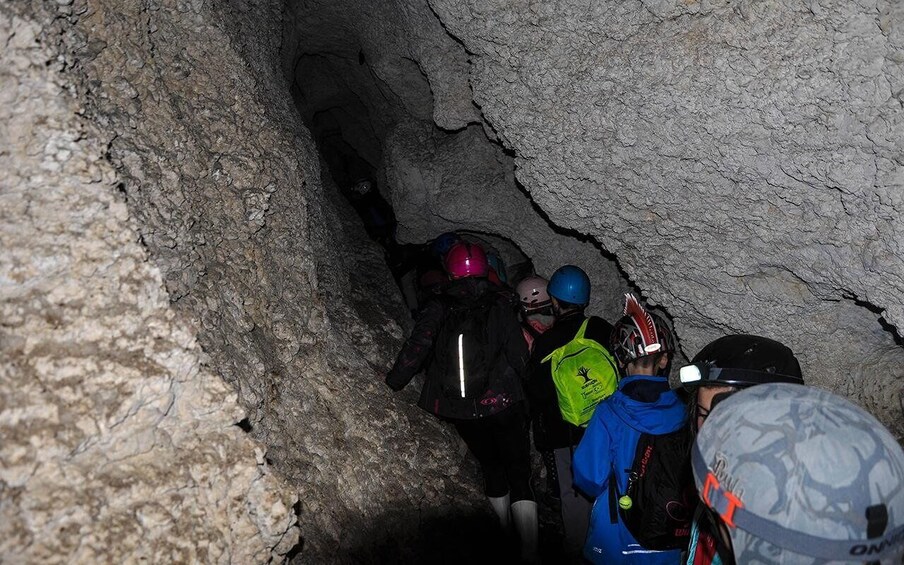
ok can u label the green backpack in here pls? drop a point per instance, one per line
(584, 373)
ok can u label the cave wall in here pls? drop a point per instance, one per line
(230, 289)
(174, 262)
(117, 441)
(392, 65)
(466, 182)
(743, 160)
(412, 68)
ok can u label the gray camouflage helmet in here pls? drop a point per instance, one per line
(799, 475)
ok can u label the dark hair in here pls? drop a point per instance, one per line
(648, 361)
(692, 406)
(570, 306)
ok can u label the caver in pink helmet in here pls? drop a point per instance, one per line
(466, 260)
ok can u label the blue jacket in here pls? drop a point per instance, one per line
(641, 404)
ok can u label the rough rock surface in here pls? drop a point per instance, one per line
(180, 109)
(466, 182)
(117, 443)
(374, 72)
(743, 160)
(413, 68)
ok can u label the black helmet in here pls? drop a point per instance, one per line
(741, 361)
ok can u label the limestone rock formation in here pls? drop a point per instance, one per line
(159, 189)
(743, 160)
(468, 183)
(117, 441)
(739, 160)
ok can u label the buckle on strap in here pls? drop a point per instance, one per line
(723, 501)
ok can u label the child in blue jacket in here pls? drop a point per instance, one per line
(642, 343)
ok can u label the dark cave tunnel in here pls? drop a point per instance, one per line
(338, 113)
(350, 113)
(349, 141)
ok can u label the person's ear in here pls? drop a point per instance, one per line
(663, 361)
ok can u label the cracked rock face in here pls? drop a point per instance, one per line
(469, 184)
(743, 160)
(117, 443)
(172, 267)
(374, 71)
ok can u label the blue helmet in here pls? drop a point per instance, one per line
(444, 242)
(570, 284)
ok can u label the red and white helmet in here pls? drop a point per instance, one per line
(639, 333)
(532, 293)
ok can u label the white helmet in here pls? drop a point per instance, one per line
(532, 293)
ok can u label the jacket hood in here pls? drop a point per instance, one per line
(634, 403)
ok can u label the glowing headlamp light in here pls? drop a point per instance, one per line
(704, 374)
(690, 375)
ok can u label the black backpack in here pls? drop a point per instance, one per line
(461, 352)
(660, 490)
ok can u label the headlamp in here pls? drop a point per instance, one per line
(705, 374)
(690, 375)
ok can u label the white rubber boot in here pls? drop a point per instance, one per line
(524, 515)
(501, 505)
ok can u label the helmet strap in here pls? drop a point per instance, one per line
(716, 529)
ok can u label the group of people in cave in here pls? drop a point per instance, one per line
(731, 460)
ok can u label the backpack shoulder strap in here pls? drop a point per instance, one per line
(583, 329)
(579, 335)
(549, 357)
(613, 484)
(613, 498)
(495, 297)
(447, 302)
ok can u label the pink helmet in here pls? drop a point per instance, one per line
(532, 292)
(466, 260)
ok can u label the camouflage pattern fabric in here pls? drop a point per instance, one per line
(795, 469)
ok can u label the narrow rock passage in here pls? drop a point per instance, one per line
(194, 319)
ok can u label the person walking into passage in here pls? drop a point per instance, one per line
(537, 317)
(725, 366)
(569, 291)
(643, 408)
(469, 340)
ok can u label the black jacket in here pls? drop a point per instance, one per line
(506, 346)
(550, 430)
